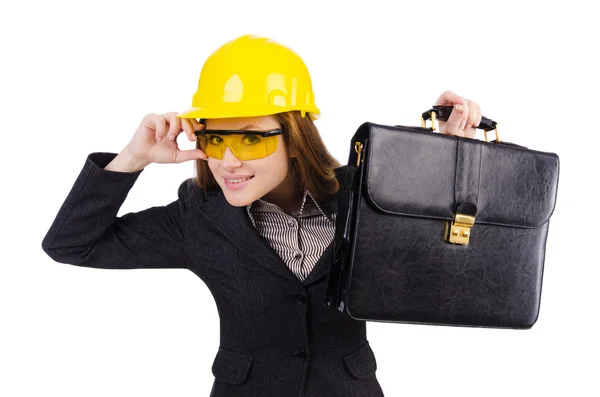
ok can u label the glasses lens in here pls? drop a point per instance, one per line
(243, 146)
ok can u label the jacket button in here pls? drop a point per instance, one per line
(299, 353)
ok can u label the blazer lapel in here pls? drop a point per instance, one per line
(235, 225)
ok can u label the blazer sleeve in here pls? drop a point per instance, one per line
(87, 232)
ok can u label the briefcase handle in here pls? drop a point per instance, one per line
(443, 112)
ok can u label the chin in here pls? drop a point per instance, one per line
(238, 200)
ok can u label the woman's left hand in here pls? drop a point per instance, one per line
(465, 116)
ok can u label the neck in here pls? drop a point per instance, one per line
(286, 196)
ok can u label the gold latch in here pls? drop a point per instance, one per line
(459, 231)
(358, 147)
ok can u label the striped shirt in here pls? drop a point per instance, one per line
(300, 237)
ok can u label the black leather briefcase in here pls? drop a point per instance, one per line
(441, 230)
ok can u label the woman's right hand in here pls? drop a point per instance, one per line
(155, 140)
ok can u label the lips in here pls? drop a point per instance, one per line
(239, 179)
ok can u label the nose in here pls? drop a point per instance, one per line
(229, 160)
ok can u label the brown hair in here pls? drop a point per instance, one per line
(312, 168)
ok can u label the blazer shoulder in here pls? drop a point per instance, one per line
(190, 194)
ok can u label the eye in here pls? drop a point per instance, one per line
(251, 139)
(214, 139)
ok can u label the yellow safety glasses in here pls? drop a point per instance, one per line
(245, 145)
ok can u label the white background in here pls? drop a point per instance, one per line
(78, 77)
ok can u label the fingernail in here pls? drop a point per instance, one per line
(171, 137)
(458, 107)
(463, 124)
(463, 101)
(159, 139)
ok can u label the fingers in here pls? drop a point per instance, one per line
(465, 116)
(478, 115)
(474, 114)
(457, 120)
(165, 125)
(191, 154)
(466, 125)
(460, 114)
(170, 126)
(157, 123)
(191, 125)
(188, 128)
(449, 98)
(162, 125)
(465, 111)
(196, 124)
(174, 125)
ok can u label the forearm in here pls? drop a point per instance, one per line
(89, 209)
(88, 232)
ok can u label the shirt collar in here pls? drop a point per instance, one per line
(261, 205)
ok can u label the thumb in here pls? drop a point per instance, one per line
(191, 154)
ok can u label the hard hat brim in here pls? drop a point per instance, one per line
(240, 111)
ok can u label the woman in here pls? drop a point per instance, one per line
(256, 224)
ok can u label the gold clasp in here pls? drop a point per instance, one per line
(358, 147)
(459, 231)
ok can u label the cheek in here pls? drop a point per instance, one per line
(276, 164)
(212, 165)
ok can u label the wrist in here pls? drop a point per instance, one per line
(126, 162)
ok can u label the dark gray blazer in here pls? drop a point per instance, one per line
(277, 338)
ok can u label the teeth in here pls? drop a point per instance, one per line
(237, 180)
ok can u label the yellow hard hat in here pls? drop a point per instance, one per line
(252, 76)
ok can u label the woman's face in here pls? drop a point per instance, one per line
(269, 174)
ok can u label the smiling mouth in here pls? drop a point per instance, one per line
(238, 180)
